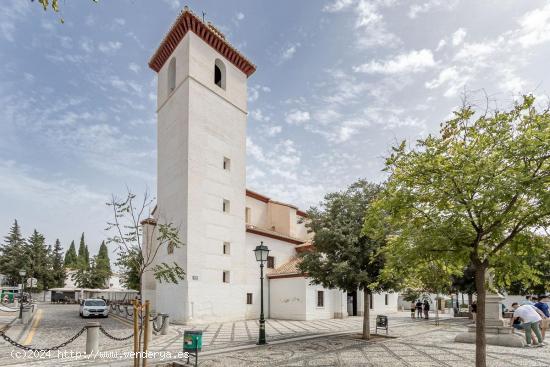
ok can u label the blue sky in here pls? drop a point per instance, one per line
(337, 83)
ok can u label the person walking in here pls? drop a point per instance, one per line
(426, 309)
(473, 310)
(530, 318)
(418, 309)
(543, 307)
(413, 309)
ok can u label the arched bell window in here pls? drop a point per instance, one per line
(219, 73)
(172, 75)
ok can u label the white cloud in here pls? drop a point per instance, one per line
(254, 92)
(11, 12)
(239, 16)
(337, 5)
(134, 67)
(425, 7)
(120, 21)
(288, 52)
(441, 44)
(535, 27)
(109, 47)
(297, 117)
(411, 62)
(274, 130)
(87, 45)
(174, 4)
(458, 36)
(258, 115)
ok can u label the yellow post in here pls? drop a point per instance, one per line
(145, 324)
(136, 333)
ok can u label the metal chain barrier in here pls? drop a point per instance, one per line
(158, 329)
(127, 313)
(114, 337)
(24, 347)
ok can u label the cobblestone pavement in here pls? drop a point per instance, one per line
(419, 344)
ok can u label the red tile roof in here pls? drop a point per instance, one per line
(187, 21)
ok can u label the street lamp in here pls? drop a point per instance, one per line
(22, 273)
(261, 253)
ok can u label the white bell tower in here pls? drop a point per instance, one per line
(201, 125)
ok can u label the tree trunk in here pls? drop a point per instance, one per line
(481, 345)
(470, 298)
(366, 315)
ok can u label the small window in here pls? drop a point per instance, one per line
(320, 299)
(370, 301)
(219, 73)
(225, 206)
(247, 215)
(172, 75)
(249, 298)
(226, 276)
(386, 299)
(170, 248)
(226, 248)
(226, 163)
(270, 262)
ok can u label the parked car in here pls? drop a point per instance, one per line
(94, 307)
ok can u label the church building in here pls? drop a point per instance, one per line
(201, 189)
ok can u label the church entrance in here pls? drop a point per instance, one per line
(352, 303)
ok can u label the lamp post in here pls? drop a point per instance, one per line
(261, 253)
(22, 273)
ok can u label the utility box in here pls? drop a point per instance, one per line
(192, 340)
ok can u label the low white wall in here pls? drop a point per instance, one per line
(288, 298)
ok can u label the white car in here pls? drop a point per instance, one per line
(93, 307)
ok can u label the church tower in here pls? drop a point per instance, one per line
(201, 140)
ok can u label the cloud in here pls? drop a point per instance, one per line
(371, 26)
(425, 7)
(337, 5)
(289, 52)
(120, 21)
(297, 117)
(109, 47)
(134, 67)
(174, 4)
(258, 115)
(458, 36)
(254, 92)
(411, 62)
(274, 130)
(11, 12)
(534, 27)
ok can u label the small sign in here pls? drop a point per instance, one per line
(382, 323)
(195, 277)
(32, 282)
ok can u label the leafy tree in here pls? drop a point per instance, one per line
(138, 249)
(83, 259)
(102, 265)
(38, 265)
(13, 255)
(344, 257)
(129, 263)
(71, 258)
(470, 192)
(58, 268)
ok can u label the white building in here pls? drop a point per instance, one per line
(201, 184)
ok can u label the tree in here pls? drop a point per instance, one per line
(38, 260)
(83, 259)
(343, 256)
(102, 269)
(13, 254)
(71, 258)
(58, 268)
(128, 263)
(473, 190)
(126, 233)
(54, 5)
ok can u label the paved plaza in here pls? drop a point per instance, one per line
(291, 343)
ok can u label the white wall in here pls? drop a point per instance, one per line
(288, 298)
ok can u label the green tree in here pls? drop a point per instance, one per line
(470, 192)
(58, 268)
(343, 256)
(83, 259)
(129, 263)
(140, 250)
(38, 264)
(71, 258)
(102, 269)
(13, 255)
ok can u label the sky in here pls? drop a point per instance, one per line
(338, 82)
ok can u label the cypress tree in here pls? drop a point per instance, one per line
(38, 259)
(71, 258)
(83, 255)
(13, 255)
(58, 268)
(102, 266)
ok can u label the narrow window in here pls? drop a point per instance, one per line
(226, 276)
(226, 248)
(226, 163)
(249, 298)
(172, 75)
(270, 262)
(170, 248)
(219, 73)
(247, 215)
(386, 299)
(320, 299)
(225, 206)
(370, 301)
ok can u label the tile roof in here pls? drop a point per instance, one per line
(290, 268)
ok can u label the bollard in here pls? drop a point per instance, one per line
(26, 316)
(165, 324)
(92, 337)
